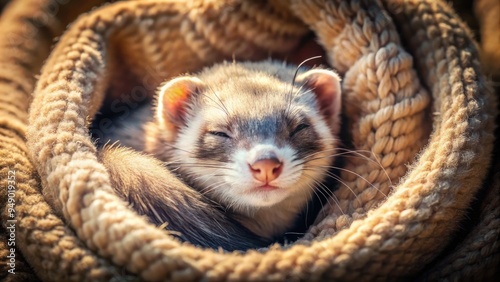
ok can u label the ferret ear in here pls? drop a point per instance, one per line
(325, 84)
(173, 98)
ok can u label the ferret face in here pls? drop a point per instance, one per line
(245, 137)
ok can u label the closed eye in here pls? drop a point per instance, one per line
(219, 134)
(299, 128)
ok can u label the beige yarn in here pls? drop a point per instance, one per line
(372, 233)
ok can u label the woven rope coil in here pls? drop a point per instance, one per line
(27, 38)
(367, 235)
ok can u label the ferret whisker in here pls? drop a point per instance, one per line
(321, 189)
(369, 183)
(207, 177)
(324, 187)
(363, 178)
(295, 169)
(359, 151)
(345, 153)
(307, 158)
(207, 190)
(313, 189)
(339, 180)
(220, 103)
(319, 158)
(331, 198)
(210, 98)
(325, 190)
(212, 187)
(320, 186)
(233, 204)
(300, 65)
(305, 161)
(374, 160)
(319, 152)
(177, 148)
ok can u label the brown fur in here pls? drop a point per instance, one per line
(153, 191)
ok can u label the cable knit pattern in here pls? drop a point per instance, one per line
(420, 117)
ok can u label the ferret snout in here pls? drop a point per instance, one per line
(264, 163)
(266, 170)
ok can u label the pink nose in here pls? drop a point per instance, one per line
(266, 170)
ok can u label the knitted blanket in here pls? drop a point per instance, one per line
(419, 201)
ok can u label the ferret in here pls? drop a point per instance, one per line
(255, 139)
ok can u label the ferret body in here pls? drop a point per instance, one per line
(257, 139)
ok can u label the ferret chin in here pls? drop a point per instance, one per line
(257, 138)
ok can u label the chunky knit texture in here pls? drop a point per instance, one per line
(420, 117)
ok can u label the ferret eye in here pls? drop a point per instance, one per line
(297, 129)
(219, 134)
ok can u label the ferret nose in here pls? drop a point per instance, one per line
(266, 170)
